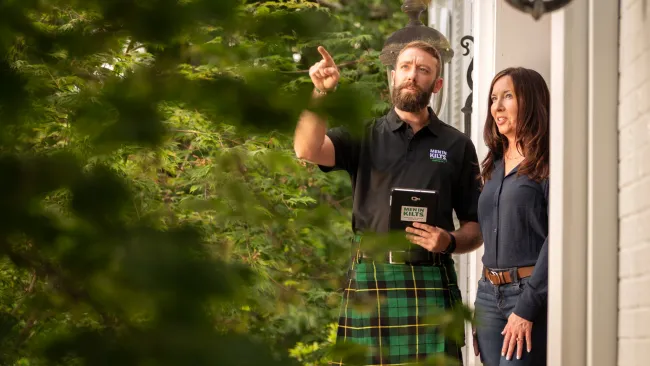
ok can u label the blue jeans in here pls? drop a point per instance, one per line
(493, 306)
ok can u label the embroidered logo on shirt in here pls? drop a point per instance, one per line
(414, 214)
(438, 156)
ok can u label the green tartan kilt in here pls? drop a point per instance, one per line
(385, 307)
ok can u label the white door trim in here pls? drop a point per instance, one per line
(583, 217)
(602, 219)
(568, 187)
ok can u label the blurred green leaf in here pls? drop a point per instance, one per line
(152, 211)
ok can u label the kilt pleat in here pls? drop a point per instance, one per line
(385, 308)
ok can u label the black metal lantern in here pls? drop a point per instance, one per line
(415, 30)
(537, 8)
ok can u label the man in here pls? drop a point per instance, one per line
(409, 147)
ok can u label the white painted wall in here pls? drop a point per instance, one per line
(522, 41)
(504, 37)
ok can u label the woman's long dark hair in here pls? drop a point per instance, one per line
(531, 131)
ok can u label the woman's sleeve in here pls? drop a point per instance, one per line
(534, 298)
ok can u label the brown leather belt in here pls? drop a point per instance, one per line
(502, 277)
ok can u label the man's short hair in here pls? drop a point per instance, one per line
(426, 47)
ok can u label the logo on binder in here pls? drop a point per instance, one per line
(414, 214)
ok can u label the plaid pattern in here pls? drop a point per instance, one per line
(385, 305)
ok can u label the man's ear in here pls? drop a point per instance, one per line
(392, 76)
(437, 85)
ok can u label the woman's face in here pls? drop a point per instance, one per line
(504, 106)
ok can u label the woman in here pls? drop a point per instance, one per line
(511, 301)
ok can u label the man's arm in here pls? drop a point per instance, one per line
(310, 141)
(468, 237)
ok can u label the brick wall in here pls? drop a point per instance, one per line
(634, 183)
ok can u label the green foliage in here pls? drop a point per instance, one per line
(152, 211)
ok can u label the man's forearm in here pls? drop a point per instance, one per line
(468, 237)
(309, 135)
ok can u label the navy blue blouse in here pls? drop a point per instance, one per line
(513, 214)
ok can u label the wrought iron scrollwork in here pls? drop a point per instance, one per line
(467, 108)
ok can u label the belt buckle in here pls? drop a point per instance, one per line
(498, 276)
(390, 258)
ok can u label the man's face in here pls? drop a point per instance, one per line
(414, 80)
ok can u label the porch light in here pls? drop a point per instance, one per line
(415, 30)
(537, 8)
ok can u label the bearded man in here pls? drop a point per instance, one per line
(409, 148)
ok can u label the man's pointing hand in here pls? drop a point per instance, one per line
(324, 74)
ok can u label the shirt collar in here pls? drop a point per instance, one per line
(500, 165)
(395, 122)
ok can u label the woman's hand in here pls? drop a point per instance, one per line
(517, 331)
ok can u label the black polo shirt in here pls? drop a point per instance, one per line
(513, 213)
(389, 155)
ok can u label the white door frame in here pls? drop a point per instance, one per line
(602, 256)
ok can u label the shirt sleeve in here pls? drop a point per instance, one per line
(346, 151)
(465, 197)
(534, 297)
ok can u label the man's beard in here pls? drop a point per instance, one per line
(411, 102)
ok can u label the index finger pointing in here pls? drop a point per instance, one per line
(326, 56)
